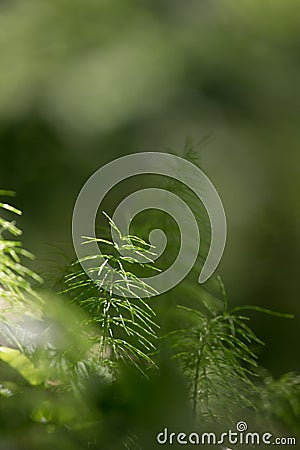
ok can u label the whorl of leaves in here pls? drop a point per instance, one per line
(125, 327)
(17, 297)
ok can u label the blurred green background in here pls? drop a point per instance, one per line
(82, 83)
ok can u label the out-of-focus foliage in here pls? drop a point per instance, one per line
(100, 65)
(281, 398)
(93, 66)
(22, 364)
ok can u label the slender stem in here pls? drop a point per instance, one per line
(197, 371)
(224, 295)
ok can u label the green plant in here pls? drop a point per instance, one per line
(85, 354)
(124, 321)
(216, 352)
(16, 291)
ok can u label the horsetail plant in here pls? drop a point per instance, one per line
(124, 321)
(17, 296)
